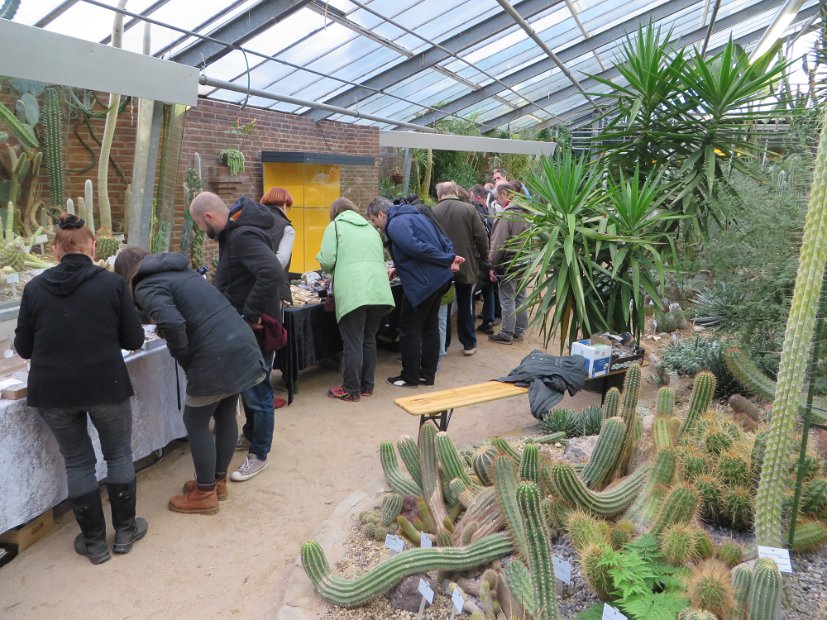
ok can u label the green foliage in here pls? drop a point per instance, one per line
(693, 355)
(234, 159)
(573, 423)
(669, 320)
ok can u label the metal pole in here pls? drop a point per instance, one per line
(407, 167)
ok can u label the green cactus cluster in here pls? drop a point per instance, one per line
(396, 479)
(606, 452)
(573, 423)
(703, 389)
(603, 503)
(677, 544)
(765, 591)
(391, 507)
(734, 468)
(595, 567)
(679, 506)
(647, 503)
(584, 529)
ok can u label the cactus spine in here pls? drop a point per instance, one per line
(431, 488)
(450, 459)
(764, 600)
(355, 592)
(606, 451)
(539, 546)
(666, 402)
(678, 507)
(530, 463)
(53, 137)
(677, 544)
(603, 503)
(391, 507)
(702, 390)
(397, 481)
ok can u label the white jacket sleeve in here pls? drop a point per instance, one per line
(285, 248)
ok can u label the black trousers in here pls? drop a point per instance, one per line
(419, 338)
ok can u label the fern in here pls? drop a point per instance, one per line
(657, 606)
(592, 612)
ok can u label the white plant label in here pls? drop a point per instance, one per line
(781, 557)
(111, 260)
(425, 541)
(394, 543)
(457, 600)
(562, 569)
(119, 238)
(610, 613)
(41, 239)
(12, 278)
(425, 590)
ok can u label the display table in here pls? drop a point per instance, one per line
(32, 476)
(312, 335)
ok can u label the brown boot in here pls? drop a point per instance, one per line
(195, 502)
(220, 488)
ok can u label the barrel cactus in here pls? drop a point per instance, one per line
(765, 591)
(710, 588)
(482, 462)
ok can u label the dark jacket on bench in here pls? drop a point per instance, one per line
(548, 377)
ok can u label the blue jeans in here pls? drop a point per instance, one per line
(260, 413)
(489, 304)
(113, 422)
(465, 315)
(443, 329)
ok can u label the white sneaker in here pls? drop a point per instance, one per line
(249, 468)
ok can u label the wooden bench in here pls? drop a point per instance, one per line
(437, 407)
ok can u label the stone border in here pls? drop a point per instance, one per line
(301, 601)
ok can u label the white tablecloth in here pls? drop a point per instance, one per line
(32, 476)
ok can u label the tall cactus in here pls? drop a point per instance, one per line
(428, 462)
(678, 507)
(88, 205)
(518, 578)
(530, 463)
(363, 589)
(606, 452)
(449, 458)
(397, 481)
(603, 503)
(631, 392)
(504, 447)
(483, 461)
(666, 402)
(647, 503)
(505, 487)
(662, 432)
(702, 390)
(53, 137)
(764, 601)
(409, 453)
(611, 404)
(741, 580)
(794, 357)
(539, 547)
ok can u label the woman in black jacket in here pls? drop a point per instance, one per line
(216, 349)
(74, 320)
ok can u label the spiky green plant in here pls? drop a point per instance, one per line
(605, 454)
(694, 463)
(738, 508)
(741, 581)
(631, 393)
(409, 453)
(809, 535)
(363, 589)
(603, 503)
(505, 489)
(449, 458)
(677, 544)
(596, 570)
(764, 599)
(662, 432)
(703, 388)
(678, 506)
(583, 529)
(398, 481)
(53, 138)
(710, 493)
(539, 548)
(557, 515)
(647, 503)
(709, 588)
(429, 465)
(794, 356)
(611, 404)
(483, 461)
(734, 468)
(559, 420)
(716, 441)
(504, 447)
(666, 402)
(391, 507)
(518, 578)
(730, 553)
(621, 533)
(814, 498)
(530, 463)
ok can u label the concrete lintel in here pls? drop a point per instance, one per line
(449, 142)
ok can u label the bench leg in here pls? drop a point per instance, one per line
(440, 419)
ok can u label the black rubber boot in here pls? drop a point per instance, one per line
(91, 541)
(128, 529)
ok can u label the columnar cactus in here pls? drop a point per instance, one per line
(748, 374)
(808, 535)
(482, 462)
(678, 507)
(363, 589)
(530, 463)
(505, 448)
(702, 390)
(647, 503)
(603, 503)
(662, 432)
(428, 462)
(409, 453)
(666, 402)
(741, 580)
(518, 578)
(539, 547)
(606, 452)
(87, 204)
(505, 487)
(631, 392)
(611, 403)
(764, 600)
(397, 481)
(794, 357)
(53, 138)
(452, 463)
(391, 507)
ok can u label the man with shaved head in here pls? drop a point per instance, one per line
(249, 275)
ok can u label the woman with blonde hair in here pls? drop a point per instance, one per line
(352, 251)
(74, 320)
(278, 200)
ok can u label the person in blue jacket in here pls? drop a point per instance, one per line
(425, 261)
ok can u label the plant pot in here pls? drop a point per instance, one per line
(397, 178)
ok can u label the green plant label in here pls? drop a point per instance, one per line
(780, 556)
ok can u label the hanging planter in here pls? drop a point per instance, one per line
(233, 159)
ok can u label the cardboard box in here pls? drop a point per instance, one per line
(24, 536)
(598, 357)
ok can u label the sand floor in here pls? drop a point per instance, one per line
(236, 563)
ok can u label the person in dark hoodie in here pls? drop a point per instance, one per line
(74, 320)
(425, 261)
(279, 201)
(249, 276)
(189, 312)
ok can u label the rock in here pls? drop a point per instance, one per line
(406, 595)
(579, 449)
(646, 423)
(698, 329)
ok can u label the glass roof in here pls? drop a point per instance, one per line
(406, 60)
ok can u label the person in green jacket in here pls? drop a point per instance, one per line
(352, 251)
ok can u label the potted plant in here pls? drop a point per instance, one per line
(233, 158)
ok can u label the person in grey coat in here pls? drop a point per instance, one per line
(218, 352)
